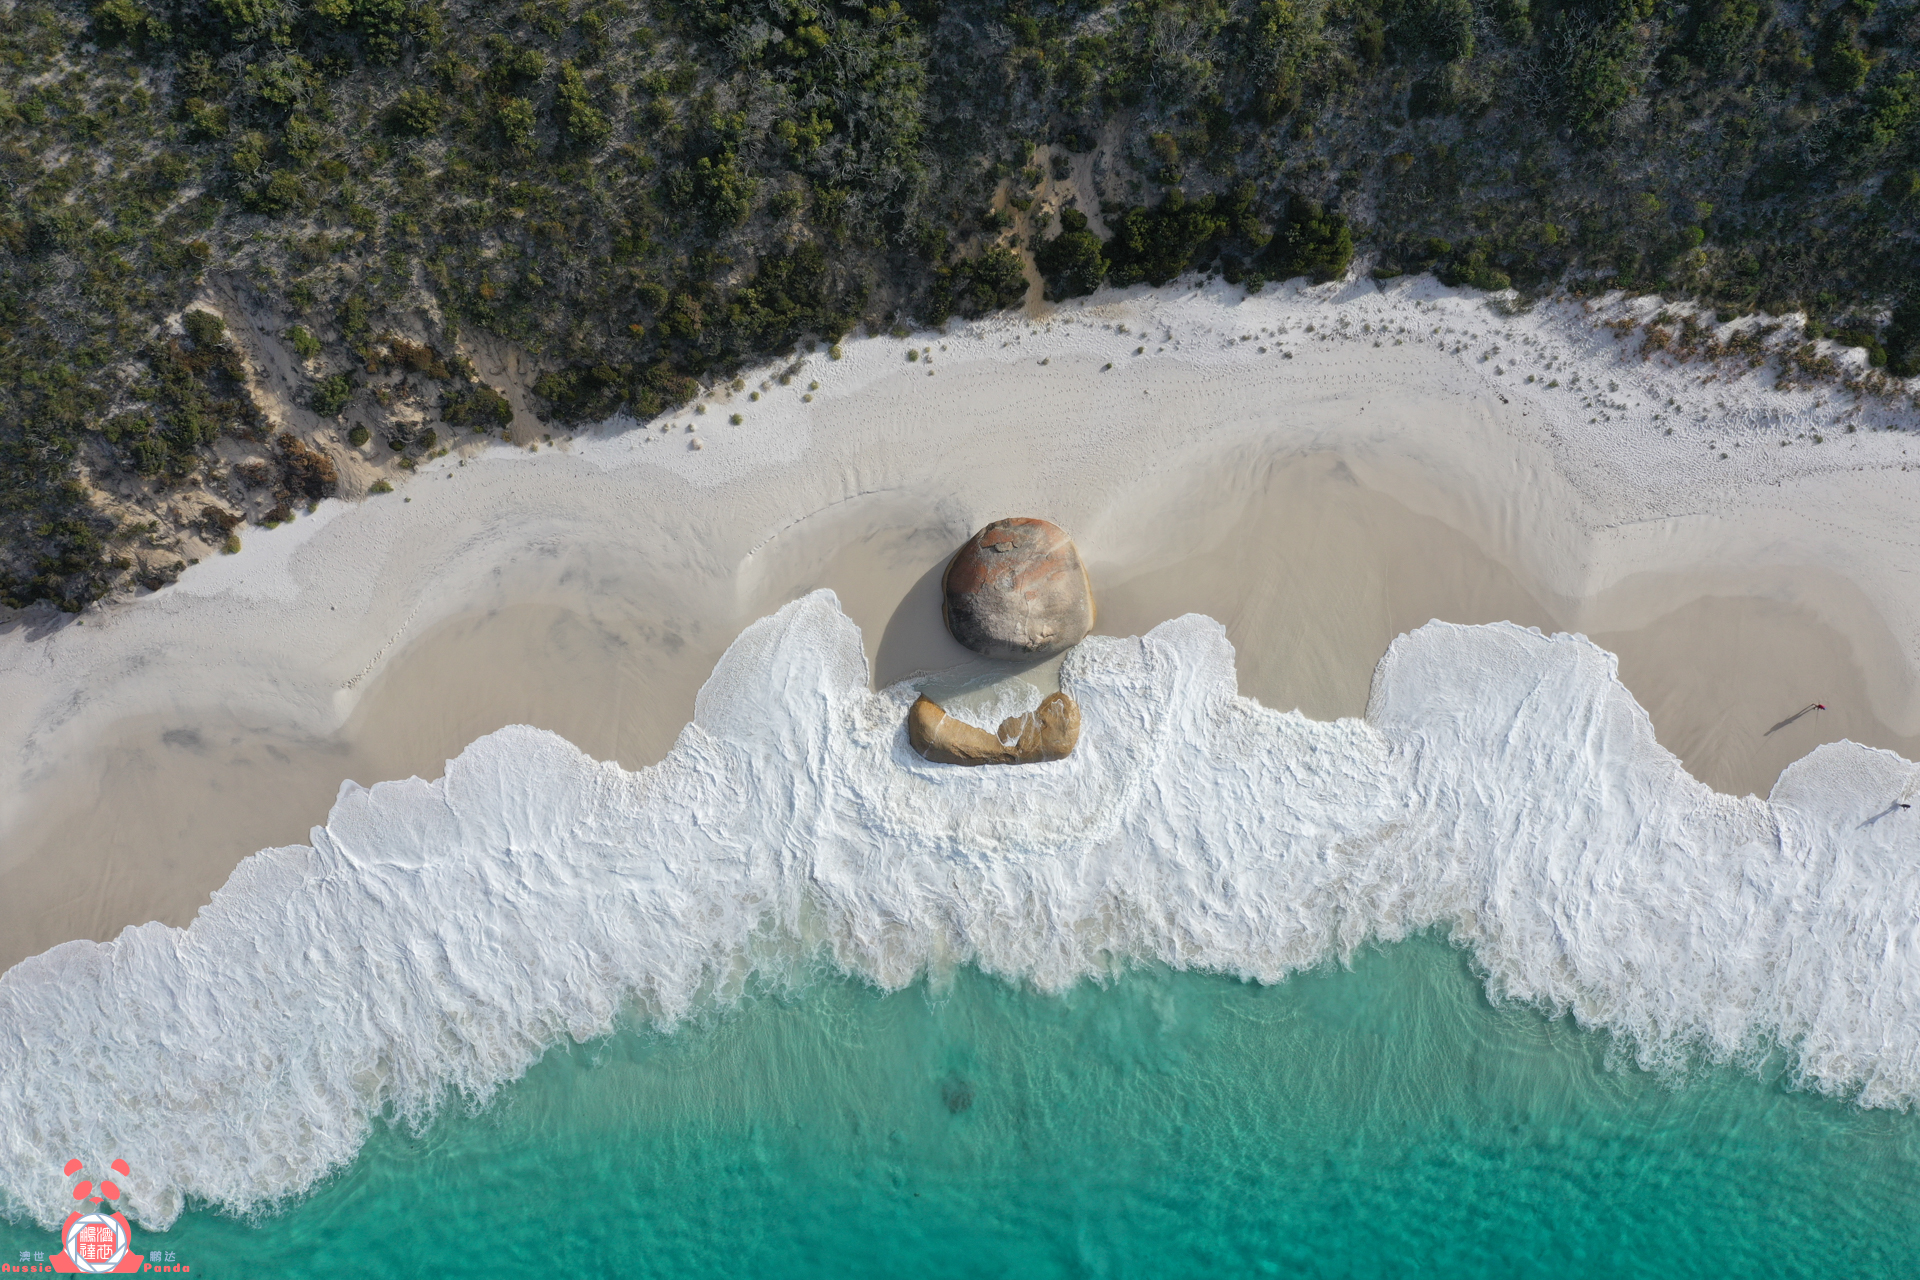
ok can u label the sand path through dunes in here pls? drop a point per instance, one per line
(1319, 497)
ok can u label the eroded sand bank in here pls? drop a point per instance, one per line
(1316, 492)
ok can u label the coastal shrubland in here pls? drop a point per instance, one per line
(330, 395)
(643, 195)
(477, 406)
(1074, 262)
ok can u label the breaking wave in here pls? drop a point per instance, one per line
(436, 938)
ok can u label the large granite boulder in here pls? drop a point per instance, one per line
(1048, 732)
(1017, 589)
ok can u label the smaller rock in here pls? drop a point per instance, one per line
(1048, 732)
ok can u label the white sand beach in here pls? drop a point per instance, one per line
(1320, 469)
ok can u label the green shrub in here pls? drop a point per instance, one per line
(127, 427)
(1599, 80)
(284, 190)
(1902, 340)
(206, 330)
(1314, 241)
(1443, 27)
(1888, 113)
(513, 64)
(1472, 270)
(803, 137)
(283, 82)
(1073, 262)
(786, 296)
(1867, 340)
(380, 486)
(1155, 245)
(516, 122)
(583, 394)
(304, 344)
(386, 26)
(208, 121)
(126, 20)
(715, 188)
(993, 281)
(149, 455)
(1725, 33)
(330, 395)
(355, 318)
(584, 125)
(358, 436)
(480, 407)
(417, 111)
(1514, 18)
(593, 34)
(1843, 67)
(303, 139)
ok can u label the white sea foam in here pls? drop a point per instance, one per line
(440, 936)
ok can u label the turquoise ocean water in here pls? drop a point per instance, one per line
(1385, 1120)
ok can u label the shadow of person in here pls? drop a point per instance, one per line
(916, 638)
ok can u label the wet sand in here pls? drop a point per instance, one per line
(601, 612)
(1316, 573)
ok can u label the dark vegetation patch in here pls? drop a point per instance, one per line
(644, 194)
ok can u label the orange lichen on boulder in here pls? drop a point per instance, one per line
(1018, 589)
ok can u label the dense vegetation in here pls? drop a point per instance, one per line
(646, 192)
